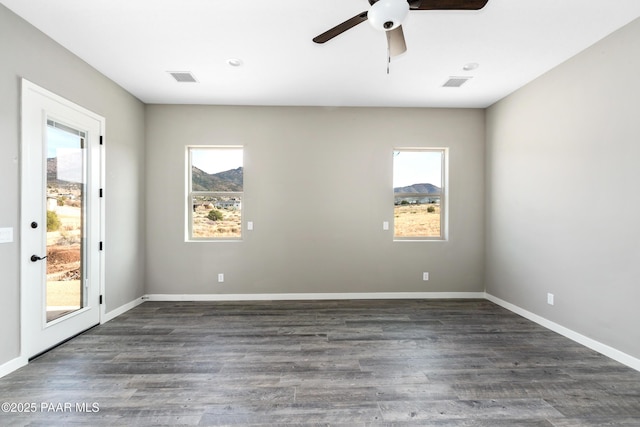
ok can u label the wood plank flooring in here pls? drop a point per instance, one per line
(343, 363)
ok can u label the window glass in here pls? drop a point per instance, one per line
(418, 189)
(216, 181)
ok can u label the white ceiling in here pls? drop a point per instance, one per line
(136, 42)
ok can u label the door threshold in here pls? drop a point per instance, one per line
(61, 342)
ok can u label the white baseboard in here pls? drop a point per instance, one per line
(314, 296)
(601, 348)
(12, 365)
(122, 309)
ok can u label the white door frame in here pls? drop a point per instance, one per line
(29, 91)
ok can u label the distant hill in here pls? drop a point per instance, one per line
(230, 180)
(418, 188)
(52, 168)
(52, 176)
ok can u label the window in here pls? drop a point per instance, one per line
(215, 192)
(419, 194)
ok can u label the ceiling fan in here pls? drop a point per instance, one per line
(387, 16)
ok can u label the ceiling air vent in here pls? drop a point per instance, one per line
(183, 76)
(456, 81)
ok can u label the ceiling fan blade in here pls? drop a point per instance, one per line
(395, 41)
(341, 28)
(447, 4)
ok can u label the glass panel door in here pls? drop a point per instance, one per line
(61, 270)
(66, 212)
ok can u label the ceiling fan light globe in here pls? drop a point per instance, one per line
(387, 15)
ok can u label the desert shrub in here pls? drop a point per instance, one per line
(431, 209)
(67, 238)
(53, 222)
(215, 215)
(61, 200)
(404, 202)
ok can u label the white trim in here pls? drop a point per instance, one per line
(314, 296)
(12, 365)
(601, 348)
(103, 219)
(122, 309)
(36, 104)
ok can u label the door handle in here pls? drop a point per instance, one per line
(35, 258)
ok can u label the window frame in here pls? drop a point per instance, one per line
(443, 195)
(190, 194)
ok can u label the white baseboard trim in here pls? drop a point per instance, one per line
(314, 296)
(122, 309)
(601, 348)
(12, 365)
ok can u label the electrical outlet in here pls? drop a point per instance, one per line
(550, 299)
(249, 225)
(385, 225)
(425, 276)
(220, 277)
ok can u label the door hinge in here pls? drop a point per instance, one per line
(101, 140)
(101, 193)
(101, 245)
(100, 299)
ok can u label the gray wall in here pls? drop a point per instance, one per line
(318, 185)
(563, 167)
(26, 52)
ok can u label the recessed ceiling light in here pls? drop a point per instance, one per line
(470, 66)
(234, 62)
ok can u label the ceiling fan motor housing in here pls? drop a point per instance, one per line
(387, 15)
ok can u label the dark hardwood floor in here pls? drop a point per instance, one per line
(351, 363)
